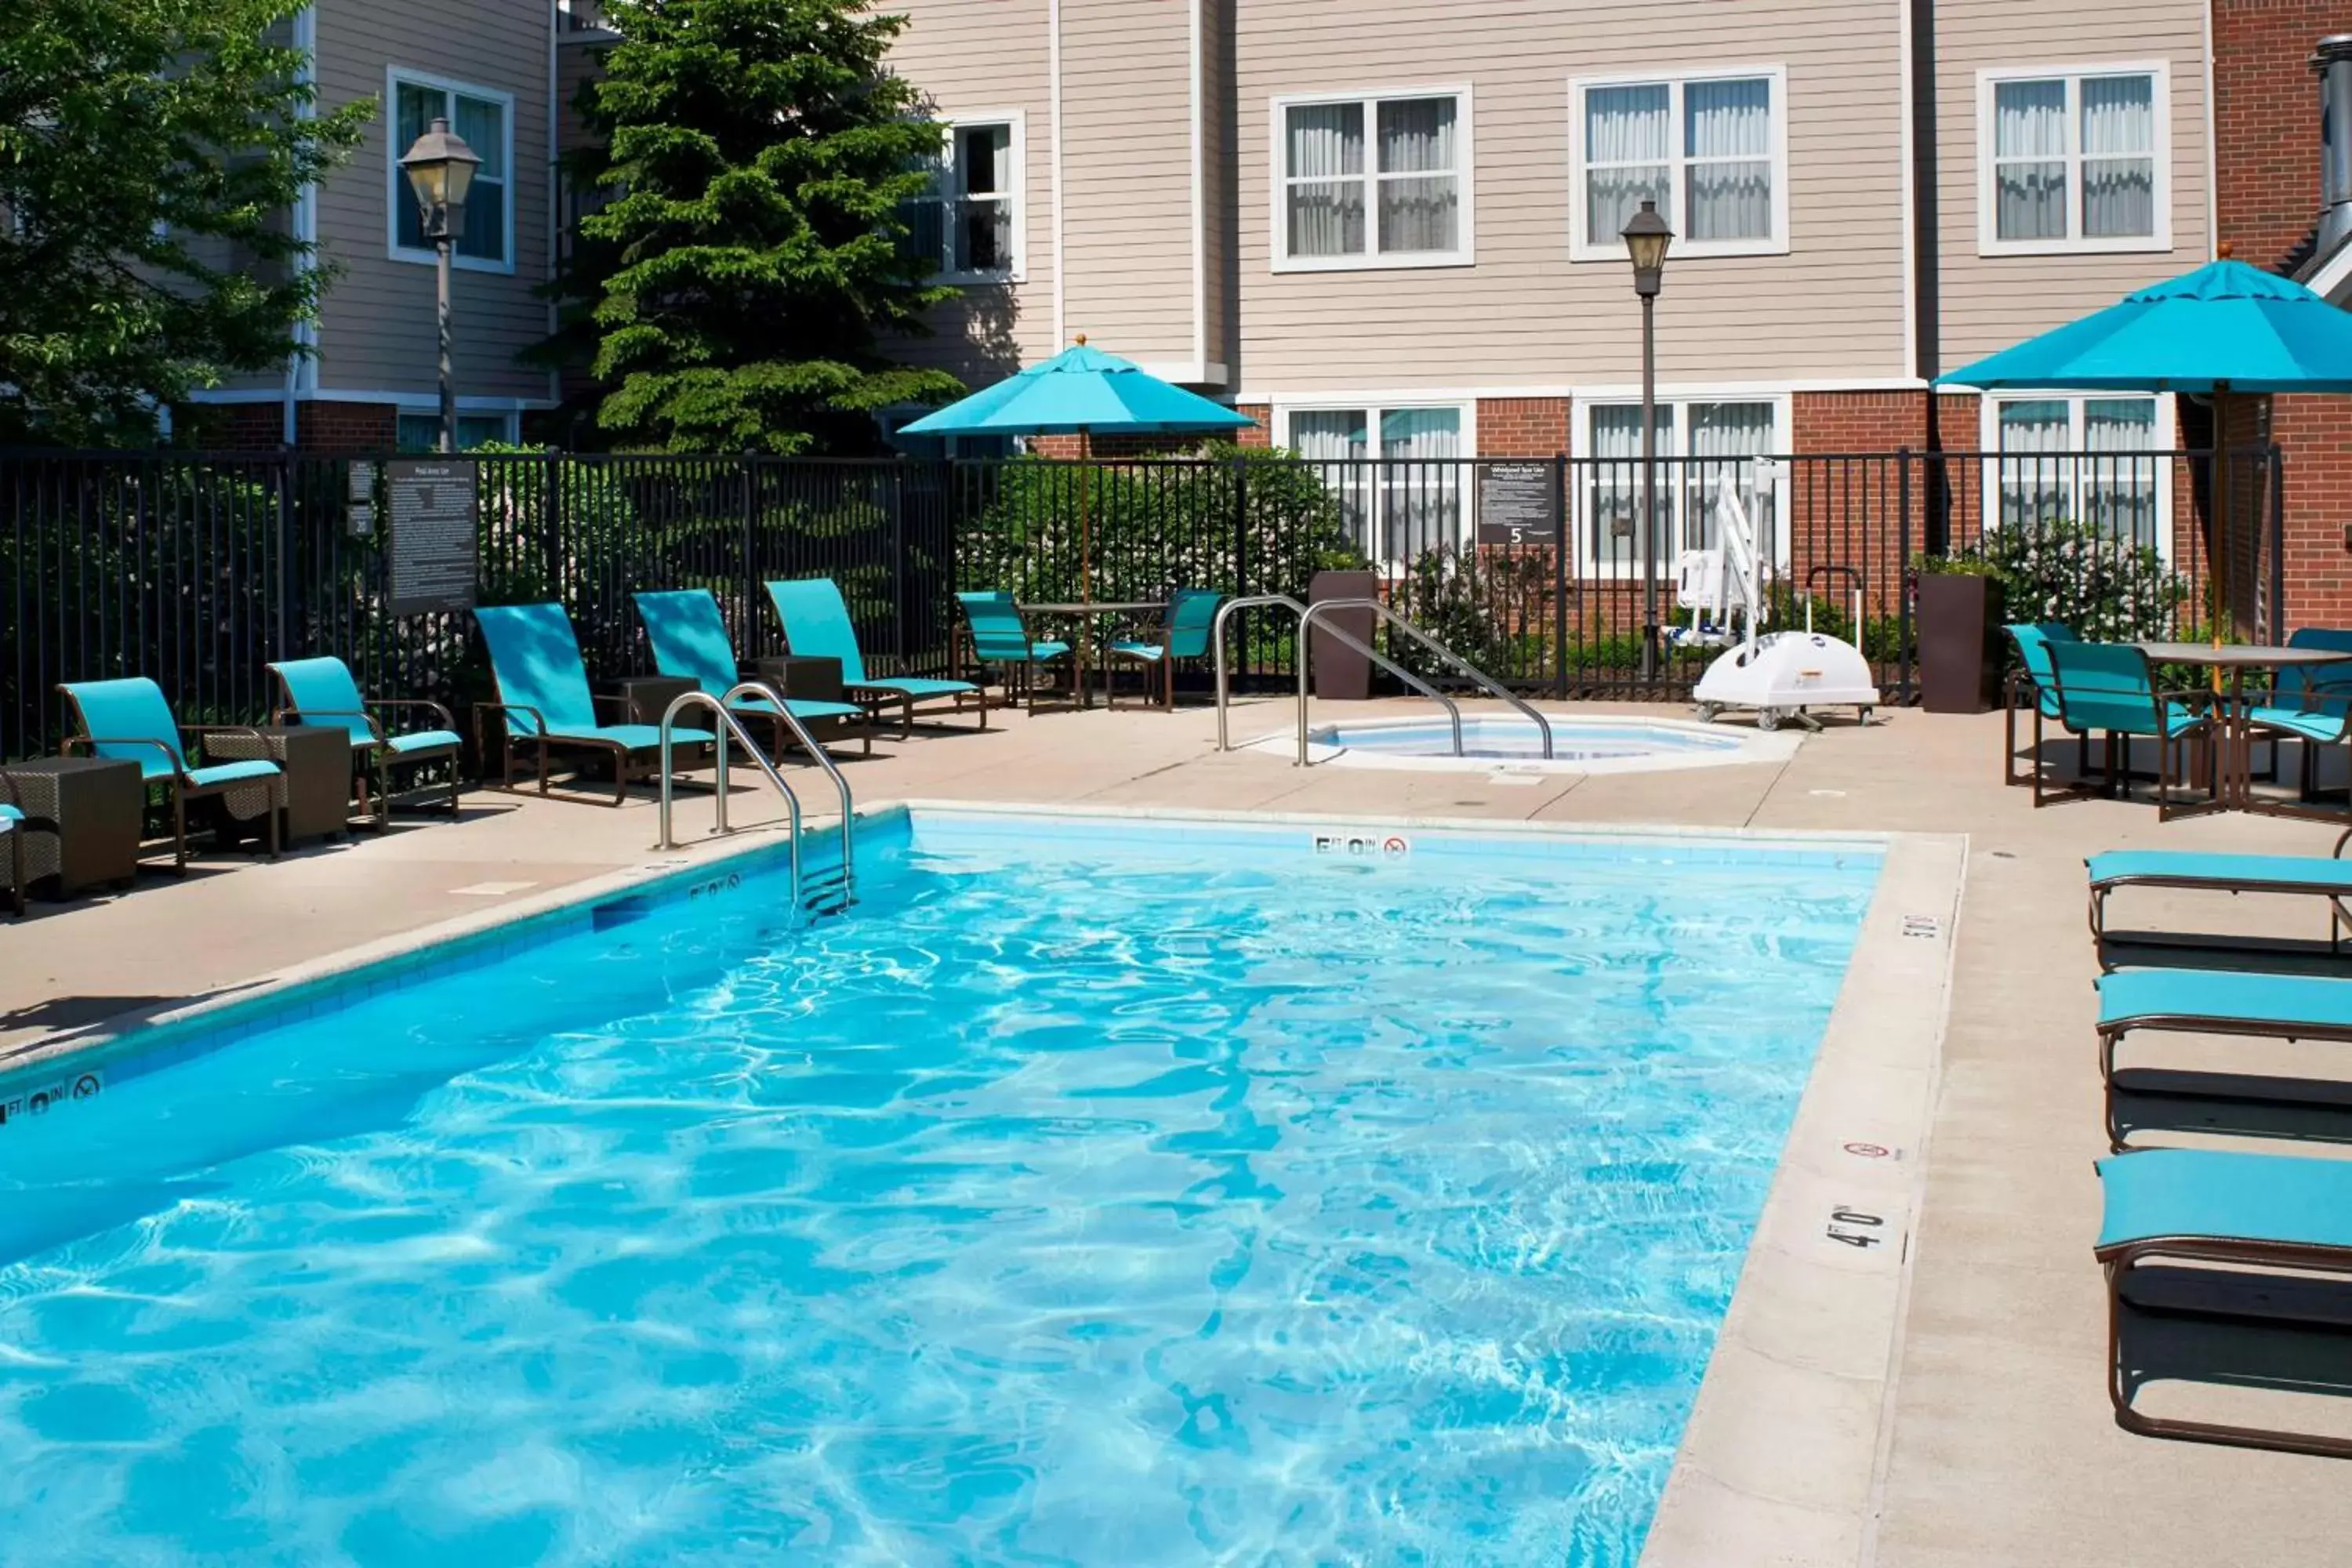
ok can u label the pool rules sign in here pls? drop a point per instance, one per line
(430, 553)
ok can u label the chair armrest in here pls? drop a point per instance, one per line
(448, 719)
(74, 744)
(303, 715)
(204, 733)
(537, 717)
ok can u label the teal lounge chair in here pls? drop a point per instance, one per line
(544, 699)
(2032, 683)
(321, 691)
(816, 625)
(2310, 703)
(2235, 1240)
(2246, 1003)
(1001, 636)
(2308, 876)
(2109, 689)
(1191, 616)
(690, 642)
(129, 718)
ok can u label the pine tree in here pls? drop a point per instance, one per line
(150, 151)
(758, 157)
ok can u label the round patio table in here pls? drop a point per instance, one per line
(1085, 611)
(2233, 731)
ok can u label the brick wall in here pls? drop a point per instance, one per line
(230, 426)
(332, 428)
(1260, 434)
(2266, 121)
(1522, 426)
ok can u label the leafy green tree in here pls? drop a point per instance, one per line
(759, 155)
(150, 152)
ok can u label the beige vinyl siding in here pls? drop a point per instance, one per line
(986, 57)
(377, 334)
(1524, 313)
(1128, 155)
(1992, 302)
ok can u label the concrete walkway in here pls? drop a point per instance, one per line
(2000, 1449)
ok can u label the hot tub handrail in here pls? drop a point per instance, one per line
(1346, 639)
(727, 725)
(1479, 677)
(1308, 623)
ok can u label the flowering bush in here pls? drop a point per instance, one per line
(2107, 588)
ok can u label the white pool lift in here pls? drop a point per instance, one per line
(1779, 675)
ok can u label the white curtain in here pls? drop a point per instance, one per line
(1616, 501)
(2034, 436)
(2118, 156)
(1337, 440)
(2029, 159)
(1326, 172)
(1728, 132)
(2119, 488)
(1723, 438)
(1421, 485)
(1628, 146)
(1421, 210)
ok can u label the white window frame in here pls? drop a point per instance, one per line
(1588, 563)
(1988, 240)
(1463, 254)
(1584, 246)
(1989, 406)
(1373, 407)
(1017, 122)
(511, 435)
(396, 189)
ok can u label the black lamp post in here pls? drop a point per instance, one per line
(440, 169)
(1646, 237)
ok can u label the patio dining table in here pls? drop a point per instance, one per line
(2233, 783)
(1085, 612)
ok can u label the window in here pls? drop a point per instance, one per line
(969, 225)
(1699, 445)
(1379, 181)
(421, 432)
(2092, 460)
(1708, 149)
(485, 120)
(2073, 160)
(1396, 472)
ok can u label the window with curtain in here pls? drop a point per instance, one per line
(1396, 471)
(968, 227)
(1706, 149)
(2092, 460)
(1699, 445)
(482, 120)
(2072, 160)
(1374, 178)
(421, 432)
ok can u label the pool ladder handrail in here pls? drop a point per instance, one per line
(730, 726)
(1479, 677)
(1346, 639)
(1308, 620)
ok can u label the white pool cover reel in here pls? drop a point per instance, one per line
(1782, 674)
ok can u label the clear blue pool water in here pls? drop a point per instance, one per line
(1063, 1204)
(1573, 740)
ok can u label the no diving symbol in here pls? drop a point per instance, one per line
(1869, 1151)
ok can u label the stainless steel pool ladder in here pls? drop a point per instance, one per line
(1309, 620)
(832, 895)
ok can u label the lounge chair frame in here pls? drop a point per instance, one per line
(2121, 1259)
(2112, 1036)
(542, 744)
(375, 768)
(876, 698)
(182, 788)
(2339, 912)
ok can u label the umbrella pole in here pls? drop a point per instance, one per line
(1085, 562)
(2218, 573)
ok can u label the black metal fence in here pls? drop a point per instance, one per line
(195, 570)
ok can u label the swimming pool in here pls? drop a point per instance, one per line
(1581, 743)
(1095, 1192)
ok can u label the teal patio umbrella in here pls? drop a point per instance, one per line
(1079, 392)
(2225, 328)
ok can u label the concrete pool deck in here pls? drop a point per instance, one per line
(1998, 1445)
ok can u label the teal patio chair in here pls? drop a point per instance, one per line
(2033, 681)
(1191, 616)
(321, 691)
(129, 720)
(2235, 1240)
(690, 642)
(816, 626)
(2310, 703)
(2109, 689)
(1000, 636)
(544, 699)
(12, 831)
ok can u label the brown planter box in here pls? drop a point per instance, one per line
(1960, 643)
(1341, 672)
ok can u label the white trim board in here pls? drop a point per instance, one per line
(1606, 391)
